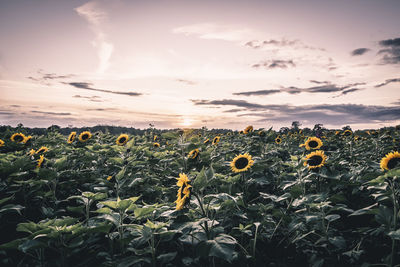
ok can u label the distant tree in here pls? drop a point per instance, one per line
(296, 125)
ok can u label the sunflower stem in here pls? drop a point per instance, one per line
(204, 214)
(393, 253)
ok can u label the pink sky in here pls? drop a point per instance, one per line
(220, 64)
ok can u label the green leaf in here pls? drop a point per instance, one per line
(167, 257)
(120, 174)
(395, 234)
(223, 247)
(201, 180)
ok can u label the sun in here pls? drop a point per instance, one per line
(187, 122)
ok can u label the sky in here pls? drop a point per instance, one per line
(218, 64)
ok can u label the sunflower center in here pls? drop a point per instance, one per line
(18, 138)
(313, 144)
(71, 137)
(241, 163)
(393, 163)
(347, 133)
(85, 136)
(314, 160)
(122, 139)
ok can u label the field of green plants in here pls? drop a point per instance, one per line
(297, 197)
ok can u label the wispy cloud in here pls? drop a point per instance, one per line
(96, 17)
(216, 31)
(51, 113)
(331, 114)
(297, 44)
(359, 51)
(390, 51)
(274, 63)
(189, 82)
(395, 80)
(94, 98)
(325, 88)
(89, 86)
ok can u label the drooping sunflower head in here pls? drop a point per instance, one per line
(1, 143)
(337, 132)
(278, 140)
(18, 137)
(183, 196)
(313, 143)
(84, 136)
(40, 161)
(390, 161)
(154, 138)
(155, 144)
(261, 133)
(347, 132)
(216, 140)
(242, 163)
(27, 139)
(193, 153)
(122, 139)
(206, 141)
(315, 159)
(71, 137)
(248, 129)
(31, 152)
(43, 149)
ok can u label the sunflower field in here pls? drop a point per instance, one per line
(198, 197)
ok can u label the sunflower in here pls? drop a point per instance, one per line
(122, 139)
(155, 144)
(193, 154)
(216, 140)
(315, 159)
(183, 196)
(347, 132)
(155, 138)
(18, 137)
(390, 161)
(43, 149)
(71, 137)
(278, 140)
(109, 178)
(27, 139)
(84, 136)
(368, 132)
(1, 143)
(32, 152)
(313, 143)
(337, 132)
(261, 133)
(40, 161)
(241, 132)
(248, 129)
(242, 163)
(206, 141)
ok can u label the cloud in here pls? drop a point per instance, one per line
(213, 31)
(96, 17)
(325, 88)
(227, 102)
(359, 51)
(388, 81)
(52, 113)
(257, 44)
(186, 81)
(88, 86)
(319, 82)
(338, 114)
(390, 51)
(276, 63)
(94, 98)
(45, 78)
(260, 92)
